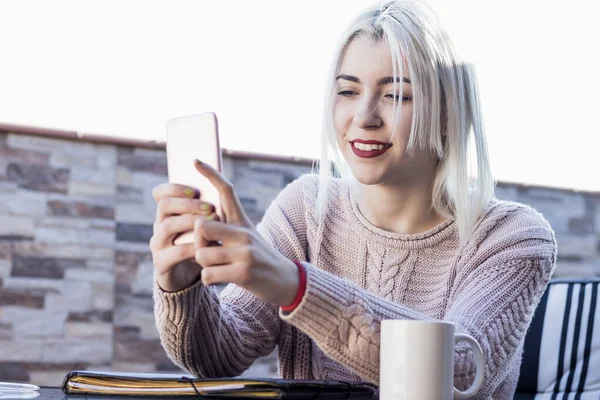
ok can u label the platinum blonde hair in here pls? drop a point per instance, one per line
(446, 110)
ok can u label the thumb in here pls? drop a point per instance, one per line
(232, 208)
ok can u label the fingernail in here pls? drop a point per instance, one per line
(189, 192)
(198, 162)
(210, 217)
(205, 207)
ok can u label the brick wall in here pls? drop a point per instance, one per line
(75, 271)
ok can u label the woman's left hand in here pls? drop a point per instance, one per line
(244, 258)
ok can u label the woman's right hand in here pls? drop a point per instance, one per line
(177, 207)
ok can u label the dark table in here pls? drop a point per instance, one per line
(50, 393)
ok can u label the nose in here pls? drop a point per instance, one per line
(367, 115)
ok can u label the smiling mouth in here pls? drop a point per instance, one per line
(369, 149)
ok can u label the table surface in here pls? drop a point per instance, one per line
(50, 393)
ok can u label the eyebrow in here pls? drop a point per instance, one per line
(382, 81)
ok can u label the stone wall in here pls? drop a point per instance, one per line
(75, 271)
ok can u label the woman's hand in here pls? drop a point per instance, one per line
(244, 258)
(177, 208)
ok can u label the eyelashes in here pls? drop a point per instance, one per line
(393, 97)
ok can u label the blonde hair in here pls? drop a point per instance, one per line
(446, 110)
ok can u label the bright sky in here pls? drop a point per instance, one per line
(124, 68)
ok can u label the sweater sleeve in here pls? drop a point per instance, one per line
(493, 299)
(221, 335)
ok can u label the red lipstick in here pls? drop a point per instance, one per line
(369, 153)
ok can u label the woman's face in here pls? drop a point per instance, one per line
(364, 117)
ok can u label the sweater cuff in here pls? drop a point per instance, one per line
(318, 310)
(176, 307)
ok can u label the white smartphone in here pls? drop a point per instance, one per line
(190, 138)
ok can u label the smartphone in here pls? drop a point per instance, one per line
(189, 138)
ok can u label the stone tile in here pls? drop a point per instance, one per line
(135, 213)
(139, 247)
(5, 250)
(49, 144)
(71, 160)
(71, 251)
(133, 367)
(14, 371)
(147, 181)
(90, 237)
(124, 177)
(103, 296)
(5, 268)
(77, 350)
(143, 162)
(108, 265)
(23, 156)
(144, 279)
(82, 188)
(39, 267)
(79, 210)
(574, 245)
(6, 332)
(41, 285)
(23, 298)
(103, 224)
(79, 295)
(89, 275)
(36, 323)
(21, 350)
(106, 155)
(567, 269)
(23, 202)
(129, 194)
(33, 177)
(140, 351)
(89, 330)
(138, 233)
(23, 226)
(99, 200)
(94, 315)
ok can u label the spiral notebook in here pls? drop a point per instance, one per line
(169, 385)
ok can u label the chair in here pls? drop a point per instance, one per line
(561, 357)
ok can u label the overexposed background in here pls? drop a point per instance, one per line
(124, 68)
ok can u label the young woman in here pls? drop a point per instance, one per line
(407, 232)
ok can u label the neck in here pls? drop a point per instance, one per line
(402, 208)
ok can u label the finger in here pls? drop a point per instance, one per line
(166, 258)
(228, 234)
(165, 232)
(168, 206)
(174, 190)
(232, 273)
(211, 257)
(232, 207)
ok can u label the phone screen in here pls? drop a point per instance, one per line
(190, 138)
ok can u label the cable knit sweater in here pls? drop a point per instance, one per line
(359, 275)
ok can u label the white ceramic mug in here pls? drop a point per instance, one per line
(417, 361)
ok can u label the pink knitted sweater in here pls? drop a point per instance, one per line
(359, 275)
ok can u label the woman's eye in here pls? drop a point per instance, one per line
(395, 97)
(346, 93)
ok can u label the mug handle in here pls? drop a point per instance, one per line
(480, 365)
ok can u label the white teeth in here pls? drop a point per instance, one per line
(368, 147)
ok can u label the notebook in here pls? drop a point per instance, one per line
(155, 385)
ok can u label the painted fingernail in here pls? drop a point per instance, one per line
(189, 192)
(205, 207)
(211, 217)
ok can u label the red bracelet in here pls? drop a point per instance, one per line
(301, 288)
